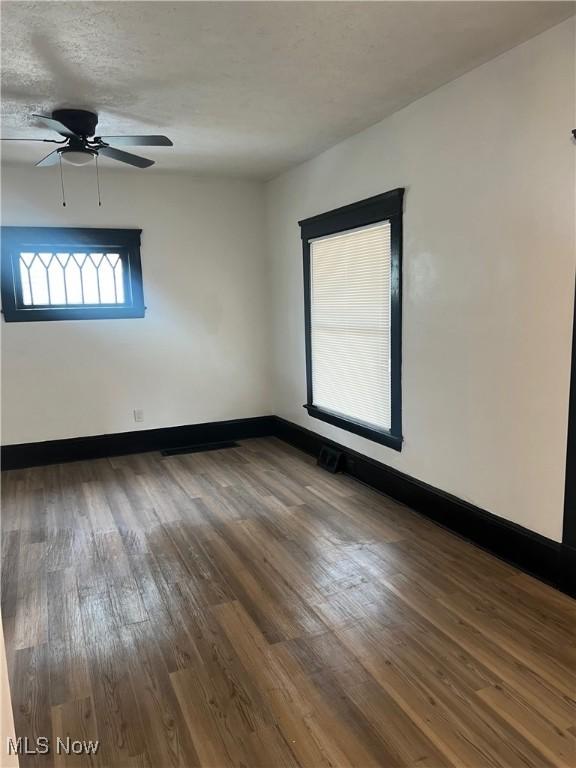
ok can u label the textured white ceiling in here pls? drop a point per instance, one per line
(243, 88)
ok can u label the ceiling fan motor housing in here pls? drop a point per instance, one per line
(79, 121)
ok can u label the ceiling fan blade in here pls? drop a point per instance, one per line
(51, 141)
(57, 126)
(50, 159)
(125, 157)
(139, 141)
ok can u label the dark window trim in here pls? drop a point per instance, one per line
(385, 207)
(125, 241)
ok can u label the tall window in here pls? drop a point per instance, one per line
(71, 274)
(352, 270)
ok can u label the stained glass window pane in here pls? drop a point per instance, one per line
(56, 282)
(119, 282)
(107, 283)
(39, 281)
(25, 282)
(73, 283)
(90, 282)
(64, 278)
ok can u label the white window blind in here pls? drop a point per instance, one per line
(350, 324)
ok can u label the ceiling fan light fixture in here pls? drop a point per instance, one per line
(77, 156)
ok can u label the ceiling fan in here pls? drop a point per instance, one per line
(80, 145)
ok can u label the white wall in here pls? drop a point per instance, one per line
(200, 352)
(489, 263)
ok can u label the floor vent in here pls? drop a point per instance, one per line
(330, 459)
(199, 448)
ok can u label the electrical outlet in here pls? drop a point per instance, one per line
(138, 414)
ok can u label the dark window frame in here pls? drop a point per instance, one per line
(126, 242)
(384, 207)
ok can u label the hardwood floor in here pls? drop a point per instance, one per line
(244, 608)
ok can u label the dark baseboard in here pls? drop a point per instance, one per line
(568, 570)
(547, 560)
(98, 446)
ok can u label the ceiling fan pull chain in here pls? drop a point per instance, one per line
(62, 183)
(98, 183)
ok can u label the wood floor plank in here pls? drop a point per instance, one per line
(30, 690)
(166, 735)
(31, 612)
(558, 746)
(9, 575)
(76, 721)
(119, 723)
(404, 739)
(486, 649)
(68, 665)
(244, 608)
(228, 716)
